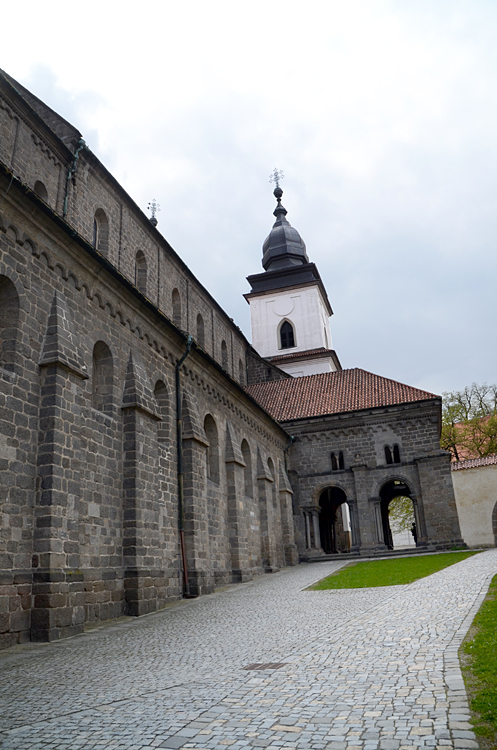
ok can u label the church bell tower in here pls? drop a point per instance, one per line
(289, 306)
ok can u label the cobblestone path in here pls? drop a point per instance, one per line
(362, 669)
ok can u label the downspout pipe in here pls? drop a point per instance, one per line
(70, 173)
(285, 450)
(179, 452)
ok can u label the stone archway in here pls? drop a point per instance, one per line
(390, 490)
(334, 521)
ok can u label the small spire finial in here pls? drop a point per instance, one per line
(154, 208)
(276, 176)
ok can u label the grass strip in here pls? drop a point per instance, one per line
(479, 667)
(392, 572)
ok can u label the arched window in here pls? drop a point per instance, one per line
(224, 354)
(176, 300)
(101, 232)
(9, 322)
(102, 378)
(287, 337)
(334, 462)
(341, 462)
(247, 471)
(41, 190)
(160, 393)
(212, 449)
(141, 272)
(241, 372)
(396, 454)
(388, 454)
(200, 331)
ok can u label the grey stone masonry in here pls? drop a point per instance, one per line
(367, 482)
(90, 336)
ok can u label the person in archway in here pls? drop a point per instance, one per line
(414, 533)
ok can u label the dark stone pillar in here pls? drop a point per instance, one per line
(144, 580)
(195, 444)
(237, 513)
(371, 537)
(436, 502)
(58, 591)
(265, 489)
(290, 552)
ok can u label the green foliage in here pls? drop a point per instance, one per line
(469, 421)
(401, 514)
(393, 572)
(480, 673)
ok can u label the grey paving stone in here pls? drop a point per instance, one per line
(364, 669)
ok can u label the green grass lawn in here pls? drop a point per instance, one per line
(392, 572)
(479, 664)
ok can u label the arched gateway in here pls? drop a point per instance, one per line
(391, 490)
(334, 521)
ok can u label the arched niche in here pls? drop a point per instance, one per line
(9, 322)
(212, 458)
(102, 378)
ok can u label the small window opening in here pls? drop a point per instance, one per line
(388, 455)
(41, 190)
(141, 272)
(287, 337)
(176, 300)
(101, 232)
(200, 331)
(224, 354)
(396, 454)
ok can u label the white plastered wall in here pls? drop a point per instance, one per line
(306, 311)
(309, 367)
(476, 495)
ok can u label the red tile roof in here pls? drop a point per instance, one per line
(332, 393)
(474, 463)
(294, 355)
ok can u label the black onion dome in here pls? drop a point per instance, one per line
(283, 247)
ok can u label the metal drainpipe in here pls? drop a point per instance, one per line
(179, 441)
(292, 440)
(70, 172)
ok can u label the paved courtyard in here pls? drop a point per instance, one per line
(361, 669)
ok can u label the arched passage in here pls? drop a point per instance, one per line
(334, 521)
(395, 488)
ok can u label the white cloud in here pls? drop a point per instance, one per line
(383, 116)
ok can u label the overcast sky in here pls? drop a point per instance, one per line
(381, 114)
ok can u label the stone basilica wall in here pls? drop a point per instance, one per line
(90, 338)
(361, 437)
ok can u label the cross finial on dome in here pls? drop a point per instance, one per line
(275, 176)
(153, 207)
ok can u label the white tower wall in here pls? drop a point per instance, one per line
(304, 308)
